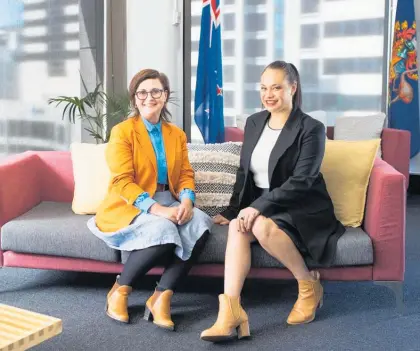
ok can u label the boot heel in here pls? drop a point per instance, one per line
(243, 330)
(148, 316)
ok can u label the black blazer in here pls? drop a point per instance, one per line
(296, 183)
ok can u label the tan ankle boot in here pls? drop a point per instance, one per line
(117, 302)
(310, 297)
(231, 316)
(158, 309)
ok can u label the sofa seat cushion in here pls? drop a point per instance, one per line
(353, 248)
(51, 228)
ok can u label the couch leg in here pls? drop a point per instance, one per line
(397, 288)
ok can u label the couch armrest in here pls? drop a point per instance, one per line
(396, 150)
(19, 187)
(385, 221)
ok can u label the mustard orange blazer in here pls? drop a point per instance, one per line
(132, 162)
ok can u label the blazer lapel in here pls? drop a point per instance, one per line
(252, 139)
(144, 141)
(170, 144)
(285, 139)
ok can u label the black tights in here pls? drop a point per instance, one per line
(139, 262)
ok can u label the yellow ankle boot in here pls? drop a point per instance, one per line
(310, 297)
(158, 309)
(117, 302)
(231, 316)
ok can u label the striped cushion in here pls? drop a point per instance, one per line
(215, 167)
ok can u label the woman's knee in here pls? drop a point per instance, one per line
(263, 228)
(237, 235)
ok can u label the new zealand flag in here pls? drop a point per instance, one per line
(208, 91)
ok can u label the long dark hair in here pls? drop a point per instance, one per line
(141, 77)
(292, 76)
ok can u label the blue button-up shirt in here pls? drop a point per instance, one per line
(144, 201)
(155, 134)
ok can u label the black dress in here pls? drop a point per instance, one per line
(297, 200)
(285, 222)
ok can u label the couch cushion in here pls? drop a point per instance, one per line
(360, 127)
(346, 168)
(354, 248)
(215, 167)
(91, 176)
(51, 228)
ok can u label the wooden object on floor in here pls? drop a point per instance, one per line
(21, 329)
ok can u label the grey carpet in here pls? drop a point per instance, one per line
(355, 316)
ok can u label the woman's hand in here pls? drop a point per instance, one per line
(219, 219)
(170, 213)
(246, 218)
(185, 212)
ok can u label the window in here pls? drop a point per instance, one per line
(309, 36)
(353, 65)
(252, 99)
(229, 99)
(255, 22)
(195, 20)
(309, 6)
(255, 47)
(255, 2)
(348, 102)
(195, 45)
(228, 74)
(228, 21)
(42, 48)
(327, 73)
(253, 73)
(365, 27)
(311, 101)
(228, 47)
(309, 72)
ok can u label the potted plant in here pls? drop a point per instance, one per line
(101, 110)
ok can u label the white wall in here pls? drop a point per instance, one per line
(153, 41)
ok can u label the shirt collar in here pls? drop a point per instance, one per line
(151, 127)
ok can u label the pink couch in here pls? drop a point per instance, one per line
(35, 180)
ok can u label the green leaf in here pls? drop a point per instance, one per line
(97, 107)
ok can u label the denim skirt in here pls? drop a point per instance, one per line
(150, 230)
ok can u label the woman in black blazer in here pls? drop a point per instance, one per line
(280, 200)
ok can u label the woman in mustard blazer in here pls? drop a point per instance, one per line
(149, 209)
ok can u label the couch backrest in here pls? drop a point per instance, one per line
(56, 171)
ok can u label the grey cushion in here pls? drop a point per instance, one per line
(52, 228)
(353, 248)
